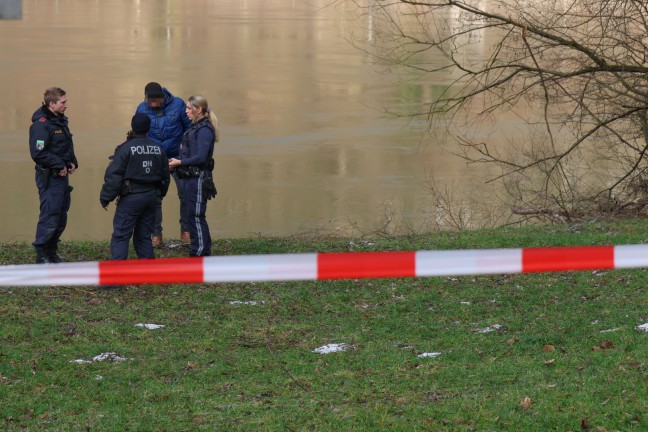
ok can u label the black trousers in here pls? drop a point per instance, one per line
(195, 207)
(134, 217)
(54, 205)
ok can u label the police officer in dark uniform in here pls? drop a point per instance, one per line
(51, 147)
(138, 176)
(195, 167)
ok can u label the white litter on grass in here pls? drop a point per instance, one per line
(429, 355)
(465, 302)
(643, 327)
(109, 356)
(331, 348)
(150, 326)
(610, 330)
(489, 329)
(248, 303)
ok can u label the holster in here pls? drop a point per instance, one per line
(208, 187)
(126, 188)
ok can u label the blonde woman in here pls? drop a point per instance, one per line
(195, 165)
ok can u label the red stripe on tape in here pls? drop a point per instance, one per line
(356, 265)
(145, 271)
(567, 258)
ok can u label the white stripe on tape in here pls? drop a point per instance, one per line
(466, 262)
(50, 274)
(260, 268)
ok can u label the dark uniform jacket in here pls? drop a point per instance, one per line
(139, 161)
(50, 140)
(168, 123)
(198, 144)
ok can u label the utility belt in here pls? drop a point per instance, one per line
(208, 187)
(47, 171)
(128, 187)
(189, 171)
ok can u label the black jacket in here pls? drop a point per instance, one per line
(50, 140)
(198, 144)
(140, 161)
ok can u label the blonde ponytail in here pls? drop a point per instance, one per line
(201, 102)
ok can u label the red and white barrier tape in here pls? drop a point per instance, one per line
(321, 266)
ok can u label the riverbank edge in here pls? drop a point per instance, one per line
(594, 232)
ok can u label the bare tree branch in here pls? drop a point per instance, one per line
(574, 71)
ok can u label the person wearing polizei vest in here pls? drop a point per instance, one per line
(137, 176)
(195, 167)
(168, 124)
(51, 147)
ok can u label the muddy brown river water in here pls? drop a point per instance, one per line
(305, 143)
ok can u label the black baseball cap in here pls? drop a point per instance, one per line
(153, 90)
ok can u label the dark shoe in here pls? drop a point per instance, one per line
(54, 257)
(42, 257)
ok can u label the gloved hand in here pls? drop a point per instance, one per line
(104, 204)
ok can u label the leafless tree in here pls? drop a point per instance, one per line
(553, 93)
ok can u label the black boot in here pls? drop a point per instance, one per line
(42, 256)
(53, 256)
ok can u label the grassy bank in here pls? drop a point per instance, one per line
(553, 351)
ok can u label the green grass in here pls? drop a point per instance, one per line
(222, 366)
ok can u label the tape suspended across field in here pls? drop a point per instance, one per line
(321, 266)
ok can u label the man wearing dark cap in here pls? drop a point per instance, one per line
(138, 176)
(168, 124)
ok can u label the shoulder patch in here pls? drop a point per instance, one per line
(42, 119)
(40, 145)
